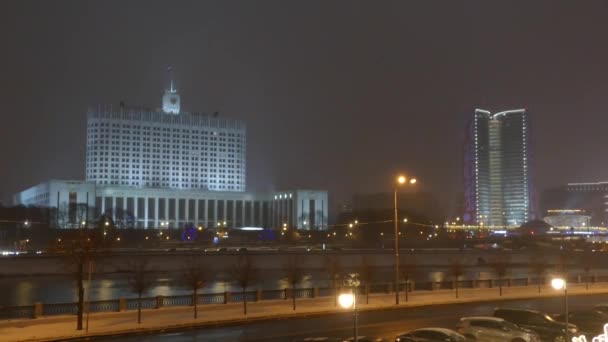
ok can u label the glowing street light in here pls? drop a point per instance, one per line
(560, 284)
(346, 300)
(349, 300)
(400, 181)
(404, 220)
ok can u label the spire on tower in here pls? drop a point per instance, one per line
(171, 100)
(170, 71)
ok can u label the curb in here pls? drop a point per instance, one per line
(239, 321)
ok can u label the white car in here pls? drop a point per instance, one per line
(494, 329)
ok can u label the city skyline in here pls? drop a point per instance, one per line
(354, 115)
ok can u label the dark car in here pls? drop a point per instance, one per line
(589, 323)
(601, 308)
(546, 327)
(431, 335)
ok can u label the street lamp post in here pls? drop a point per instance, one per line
(559, 284)
(400, 181)
(348, 300)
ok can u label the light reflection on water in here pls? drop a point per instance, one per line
(59, 289)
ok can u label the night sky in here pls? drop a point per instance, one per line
(337, 95)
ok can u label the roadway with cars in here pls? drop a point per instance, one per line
(385, 323)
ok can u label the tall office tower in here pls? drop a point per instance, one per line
(498, 185)
(165, 149)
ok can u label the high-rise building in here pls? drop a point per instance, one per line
(498, 185)
(168, 149)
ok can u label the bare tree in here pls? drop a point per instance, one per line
(80, 253)
(244, 273)
(456, 270)
(140, 280)
(562, 263)
(538, 266)
(587, 263)
(294, 274)
(366, 275)
(194, 277)
(407, 268)
(500, 266)
(334, 269)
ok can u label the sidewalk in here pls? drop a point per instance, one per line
(63, 327)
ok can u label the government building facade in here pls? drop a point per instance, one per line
(170, 169)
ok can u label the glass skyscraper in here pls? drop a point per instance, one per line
(498, 186)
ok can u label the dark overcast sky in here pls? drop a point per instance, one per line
(336, 94)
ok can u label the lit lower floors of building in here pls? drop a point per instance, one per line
(75, 204)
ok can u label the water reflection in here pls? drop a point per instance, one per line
(24, 293)
(58, 289)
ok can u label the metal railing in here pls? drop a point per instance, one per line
(38, 309)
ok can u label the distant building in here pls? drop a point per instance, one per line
(498, 186)
(566, 218)
(80, 203)
(167, 149)
(168, 169)
(411, 201)
(590, 199)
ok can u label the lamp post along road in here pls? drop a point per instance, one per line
(347, 300)
(558, 284)
(400, 181)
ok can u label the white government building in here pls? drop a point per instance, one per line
(170, 169)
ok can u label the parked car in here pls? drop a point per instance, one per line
(602, 308)
(589, 323)
(365, 339)
(494, 329)
(431, 335)
(546, 327)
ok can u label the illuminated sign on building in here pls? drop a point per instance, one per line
(599, 338)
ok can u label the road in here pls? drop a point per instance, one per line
(387, 324)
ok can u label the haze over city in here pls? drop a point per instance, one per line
(336, 95)
(291, 171)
